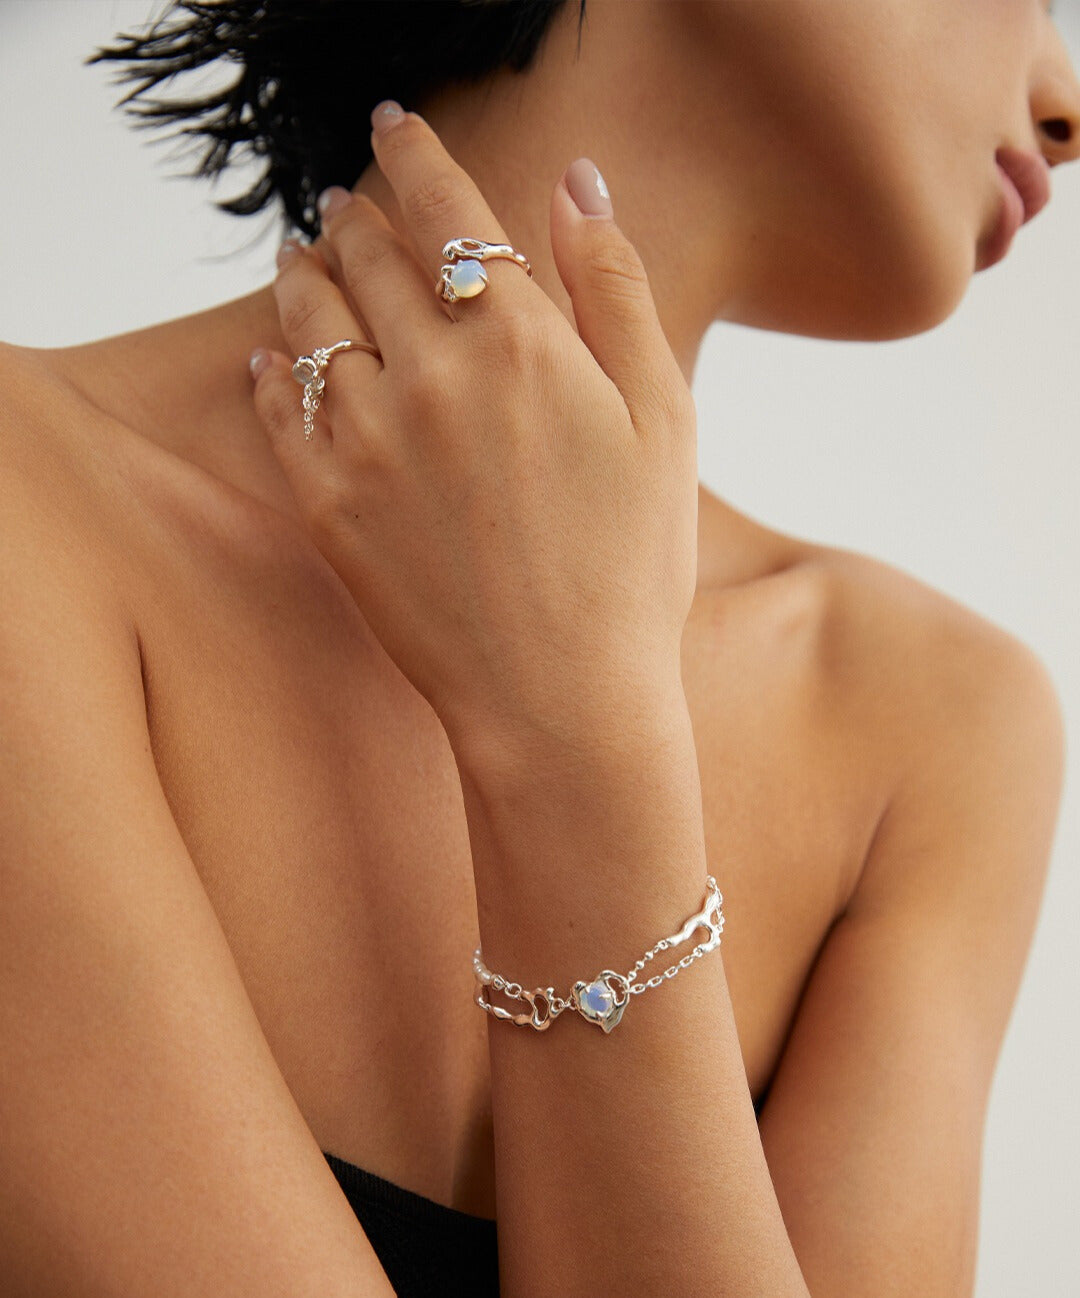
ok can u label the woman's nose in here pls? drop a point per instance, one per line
(1055, 106)
(1059, 136)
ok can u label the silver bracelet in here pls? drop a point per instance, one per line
(597, 1001)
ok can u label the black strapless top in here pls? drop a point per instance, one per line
(424, 1247)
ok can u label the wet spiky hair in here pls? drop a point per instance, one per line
(308, 73)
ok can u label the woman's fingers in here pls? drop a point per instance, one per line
(382, 277)
(312, 310)
(613, 304)
(602, 271)
(278, 399)
(439, 201)
(313, 314)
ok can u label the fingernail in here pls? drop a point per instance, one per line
(587, 188)
(332, 200)
(386, 113)
(260, 359)
(287, 251)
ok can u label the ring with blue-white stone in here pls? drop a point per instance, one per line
(463, 275)
(599, 1001)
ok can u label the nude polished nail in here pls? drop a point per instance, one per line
(587, 188)
(386, 113)
(333, 200)
(286, 252)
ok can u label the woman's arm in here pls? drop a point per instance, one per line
(515, 515)
(631, 1163)
(149, 1145)
(874, 1125)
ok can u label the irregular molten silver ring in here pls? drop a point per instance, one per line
(308, 370)
(464, 274)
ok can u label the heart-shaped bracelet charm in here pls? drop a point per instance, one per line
(596, 1001)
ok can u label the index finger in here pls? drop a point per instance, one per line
(440, 201)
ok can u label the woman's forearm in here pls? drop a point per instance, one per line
(627, 1163)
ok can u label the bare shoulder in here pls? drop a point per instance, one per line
(972, 722)
(874, 1124)
(955, 697)
(929, 666)
(912, 709)
(62, 494)
(41, 423)
(25, 375)
(894, 662)
(129, 1046)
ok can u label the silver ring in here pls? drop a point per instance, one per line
(308, 370)
(464, 275)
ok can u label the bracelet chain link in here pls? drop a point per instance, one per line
(596, 1002)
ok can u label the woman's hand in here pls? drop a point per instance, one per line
(513, 505)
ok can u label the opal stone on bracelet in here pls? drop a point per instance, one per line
(596, 1001)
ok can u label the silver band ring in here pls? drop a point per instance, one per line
(464, 275)
(308, 370)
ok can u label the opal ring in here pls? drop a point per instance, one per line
(464, 274)
(308, 370)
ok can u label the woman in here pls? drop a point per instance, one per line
(292, 726)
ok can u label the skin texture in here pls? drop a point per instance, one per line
(225, 810)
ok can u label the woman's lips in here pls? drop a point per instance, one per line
(1030, 175)
(1025, 189)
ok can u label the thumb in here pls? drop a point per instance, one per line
(613, 304)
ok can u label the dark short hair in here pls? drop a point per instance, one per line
(308, 74)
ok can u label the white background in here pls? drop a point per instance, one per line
(955, 456)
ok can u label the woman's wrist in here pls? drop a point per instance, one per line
(571, 739)
(585, 847)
